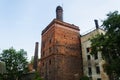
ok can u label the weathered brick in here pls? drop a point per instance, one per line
(61, 57)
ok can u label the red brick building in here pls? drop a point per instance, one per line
(61, 57)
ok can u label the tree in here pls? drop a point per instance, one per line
(84, 78)
(37, 76)
(16, 63)
(109, 45)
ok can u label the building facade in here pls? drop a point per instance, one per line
(2, 67)
(92, 64)
(61, 57)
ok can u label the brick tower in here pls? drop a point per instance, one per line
(61, 50)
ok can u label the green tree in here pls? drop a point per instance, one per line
(37, 76)
(109, 45)
(32, 60)
(84, 78)
(16, 63)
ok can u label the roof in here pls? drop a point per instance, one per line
(91, 32)
(61, 23)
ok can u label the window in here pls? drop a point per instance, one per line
(89, 71)
(96, 56)
(50, 62)
(98, 78)
(43, 53)
(43, 63)
(50, 41)
(88, 49)
(88, 57)
(97, 69)
(49, 50)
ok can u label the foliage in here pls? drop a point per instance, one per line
(84, 78)
(109, 44)
(16, 63)
(32, 60)
(1, 77)
(37, 76)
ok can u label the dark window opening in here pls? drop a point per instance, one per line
(43, 53)
(49, 50)
(49, 62)
(50, 41)
(88, 57)
(89, 71)
(98, 78)
(97, 69)
(96, 55)
(88, 49)
(43, 63)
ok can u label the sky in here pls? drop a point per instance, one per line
(22, 21)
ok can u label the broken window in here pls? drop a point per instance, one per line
(97, 69)
(50, 62)
(96, 55)
(88, 57)
(98, 78)
(89, 71)
(88, 49)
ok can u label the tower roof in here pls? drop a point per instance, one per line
(59, 8)
(56, 21)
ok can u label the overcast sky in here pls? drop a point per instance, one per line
(21, 21)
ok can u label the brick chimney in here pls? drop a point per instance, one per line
(35, 56)
(59, 13)
(96, 24)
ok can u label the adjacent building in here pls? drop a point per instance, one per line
(92, 64)
(2, 67)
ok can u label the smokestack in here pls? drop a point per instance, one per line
(36, 56)
(59, 13)
(96, 24)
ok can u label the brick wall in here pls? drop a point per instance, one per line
(61, 52)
